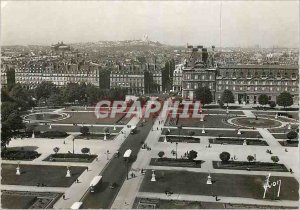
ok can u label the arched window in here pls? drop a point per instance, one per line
(271, 75)
(278, 74)
(286, 75)
(227, 74)
(241, 74)
(234, 74)
(256, 74)
(293, 75)
(263, 74)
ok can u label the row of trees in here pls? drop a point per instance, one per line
(204, 94)
(84, 94)
(225, 157)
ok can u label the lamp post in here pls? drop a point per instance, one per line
(176, 149)
(73, 143)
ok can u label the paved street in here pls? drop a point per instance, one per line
(115, 172)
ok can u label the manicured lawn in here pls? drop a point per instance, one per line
(253, 166)
(95, 136)
(210, 121)
(147, 203)
(237, 141)
(227, 133)
(257, 123)
(26, 200)
(92, 129)
(176, 163)
(67, 157)
(51, 176)
(279, 136)
(185, 139)
(230, 185)
(289, 144)
(90, 118)
(16, 201)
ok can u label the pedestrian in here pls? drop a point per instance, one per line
(97, 158)
(64, 197)
(157, 128)
(217, 198)
(291, 171)
(87, 168)
(64, 142)
(77, 180)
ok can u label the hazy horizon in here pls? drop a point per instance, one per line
(244, 23)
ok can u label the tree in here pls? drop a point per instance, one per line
(56, 149)
(192, 155)
(263, 99)
(285, 99)
(45, 89)
(21, 96)
(84, 130)
(85, 150)
(275, 159)
(227, 97)
(92, 94)
(55, 100)
(71, 91)
(224, 156)
(250, 158)
(221, 104)
(204, 95)
(272, 104)
(161, 154)
(292, 135)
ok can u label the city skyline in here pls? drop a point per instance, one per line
(173, 23)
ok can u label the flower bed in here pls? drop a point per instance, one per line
(69, 157)
(289, 143)
(176, 162)
(250, 166)
(19, 155)
(52, 134)
(236, 141)
(183, 139)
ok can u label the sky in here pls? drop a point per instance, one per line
(226, 23)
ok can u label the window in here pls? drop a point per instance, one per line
(233, 88)
(242, 74)
(233, 75)
(226, 82)
(278, 74)
(227, 74)
(196, 76)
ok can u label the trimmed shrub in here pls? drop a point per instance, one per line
(161, 154)
(224, 156)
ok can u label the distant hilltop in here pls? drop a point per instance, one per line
(145, 42)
